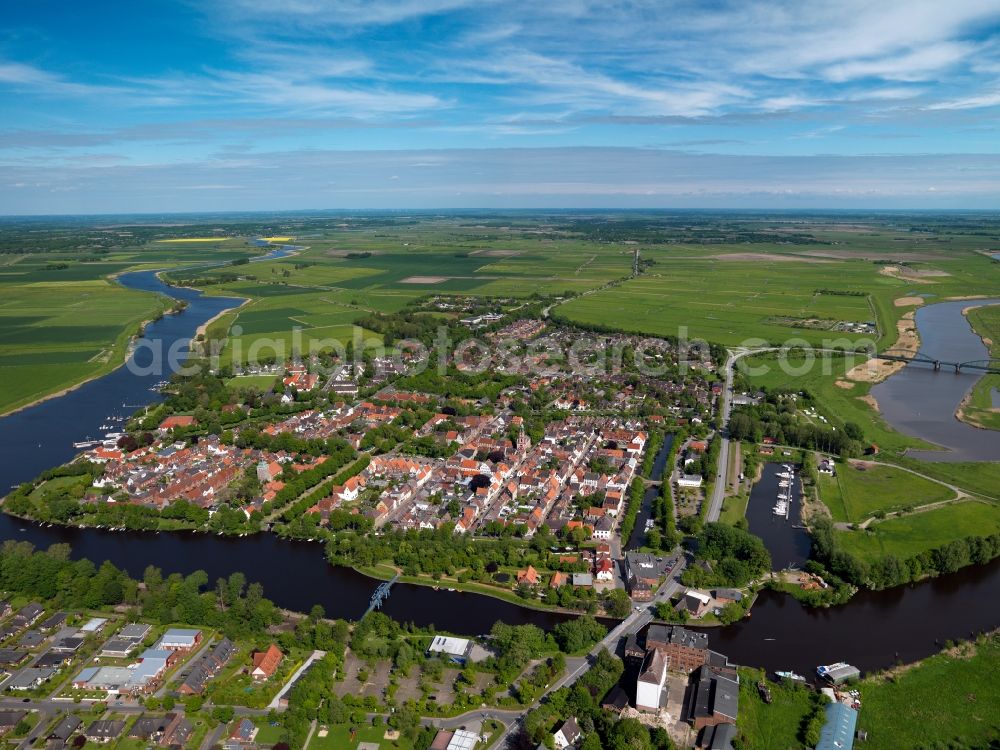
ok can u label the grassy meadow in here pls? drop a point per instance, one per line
(344, 275)
(862, 489)
(912, 534)
(774, 292)
(773, 726)
(838, 399)
(733, 301)
(952, 696)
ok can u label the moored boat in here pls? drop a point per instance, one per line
(789, 675)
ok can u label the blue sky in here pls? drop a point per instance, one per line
(288, 104)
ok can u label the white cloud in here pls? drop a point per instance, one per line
(986, 99)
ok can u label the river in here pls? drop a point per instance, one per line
(868, 631)
(294, 574)
(41, 436)
(921, 402)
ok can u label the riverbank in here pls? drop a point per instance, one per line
(980, 407)
(171, 526)
(383, 572)
(126, 340)
(907, 342)
(202, 330)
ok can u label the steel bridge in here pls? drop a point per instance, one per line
(902, 355)
(381, 594)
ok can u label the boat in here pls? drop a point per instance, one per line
(789, 675)
(838, 672)
(785, 475)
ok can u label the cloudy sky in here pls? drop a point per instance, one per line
(187, 105)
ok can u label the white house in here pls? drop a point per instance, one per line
(689, 480)
(567, 734)
(652, 678)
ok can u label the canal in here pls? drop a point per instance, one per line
(638, 535)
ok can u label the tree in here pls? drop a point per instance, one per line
(853, 431)
(618, 603)
(629, 734)
(577, 634)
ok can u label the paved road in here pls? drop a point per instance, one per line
(722, 422)
(276, 701)
(213, 737)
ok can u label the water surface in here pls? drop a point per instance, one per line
(784, 538)
(921, 402)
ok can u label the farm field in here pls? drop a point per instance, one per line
(64, 321)
(732, 302)
(714, 275)
(343, 276)
(910, 535)
(861, 489)
(54, 335)
(915, 708)
(729, 295)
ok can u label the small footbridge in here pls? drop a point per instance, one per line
(381, 594)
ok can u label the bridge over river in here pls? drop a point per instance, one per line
(989, 365)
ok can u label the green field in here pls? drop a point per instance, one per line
(54, 335)
(981, 478)
(258, 382)
(950, 697)
(980, 409)
(910, 535)
(732, 301)
(63, 321)
(321, 291)
(861, 489)
(341, 736)
(774, 726)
